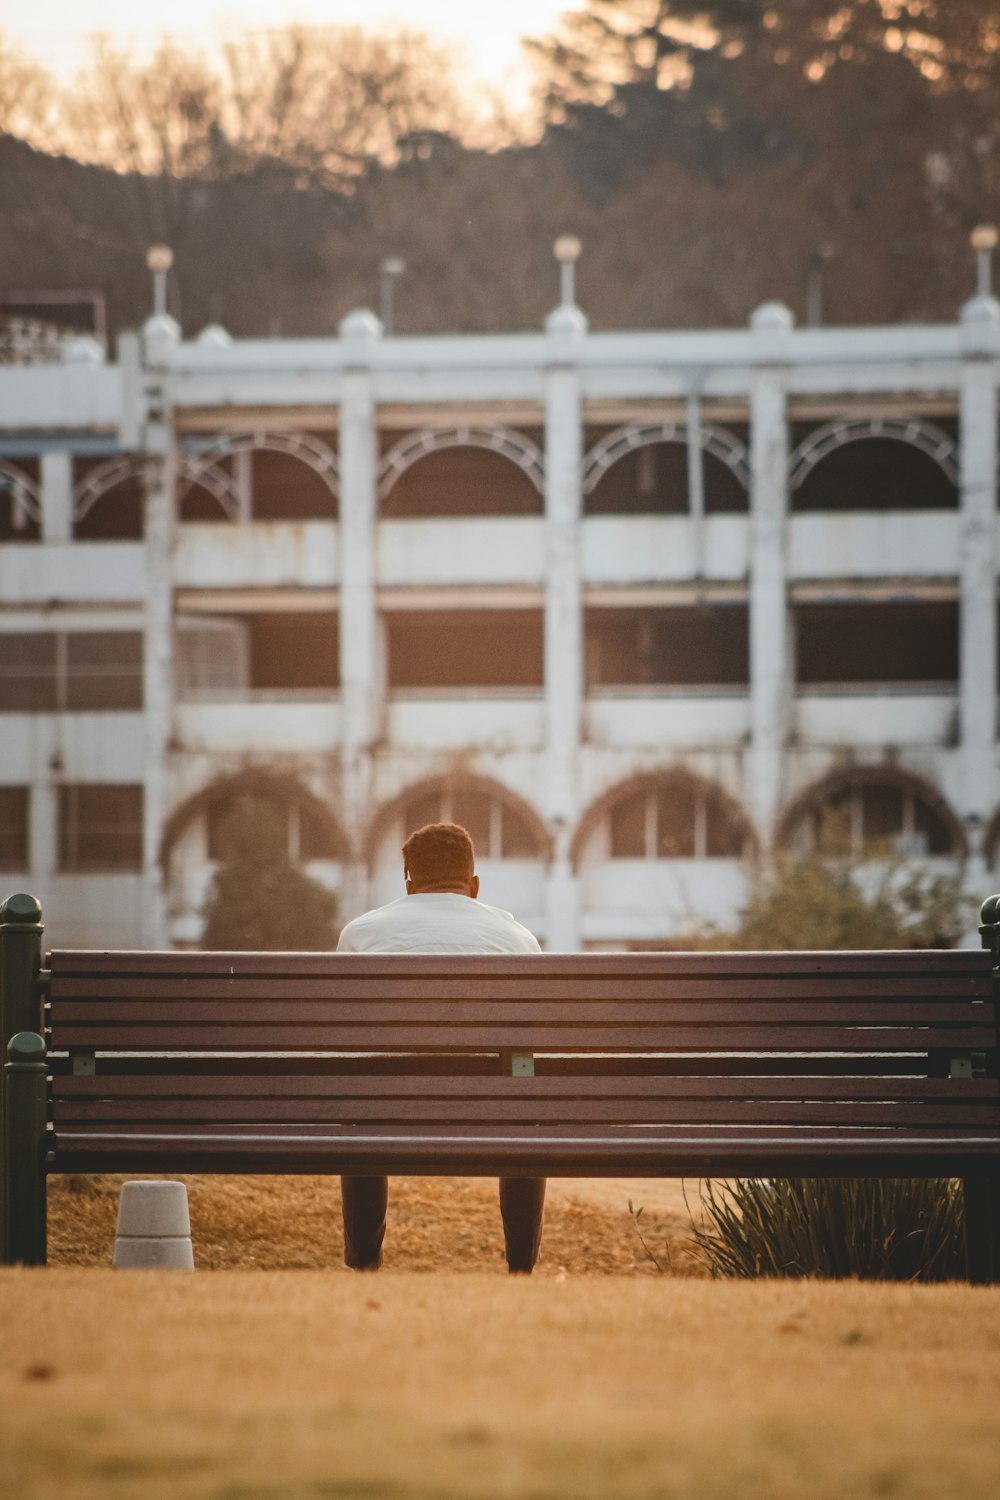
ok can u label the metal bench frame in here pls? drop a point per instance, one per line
(672, 1064)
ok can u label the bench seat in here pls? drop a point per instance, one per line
(661, 1064)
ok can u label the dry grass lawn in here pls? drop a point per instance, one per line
(310, 1386)
(443, 1378)
(435, 1224)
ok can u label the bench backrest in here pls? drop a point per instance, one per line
(288, 1039)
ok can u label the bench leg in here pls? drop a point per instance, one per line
(982, 1228)
(24, 1151)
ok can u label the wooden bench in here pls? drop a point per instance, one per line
(660, 1065)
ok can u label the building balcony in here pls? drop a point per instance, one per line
(92, 910)
(261, 555)
(652, 900)
(854, 714)
(36, 573)
(636, 717)
(259, 721)
(104, 747)
(499, 550)
(874, 545)
(665, 549)
(498, 719)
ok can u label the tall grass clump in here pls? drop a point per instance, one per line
(899, 1229)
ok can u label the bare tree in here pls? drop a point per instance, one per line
(327, 102)
(27, 97)
(318, 103)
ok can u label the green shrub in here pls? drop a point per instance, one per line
(900, 1229)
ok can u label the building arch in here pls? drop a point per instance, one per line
(862, 806)
(277, 787)
(25, 492)
(503, 441)
(719, 826)
(616, 445)
(441, 798)
(205, 469)
(105, 477)
(925, 436)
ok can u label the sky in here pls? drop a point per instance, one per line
(487, 31)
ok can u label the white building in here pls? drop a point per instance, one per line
(630, 606)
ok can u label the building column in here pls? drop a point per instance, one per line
(563, 657)
(362, 669)
(770, 635)
(976, 783)
(57, 496)
(43, 834)
(160, 336)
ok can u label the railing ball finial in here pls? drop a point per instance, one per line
(21, 908)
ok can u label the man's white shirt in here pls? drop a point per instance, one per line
(437, 922)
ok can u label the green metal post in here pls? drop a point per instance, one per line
(982, 1192)
(20, 1010)
(24, 1150)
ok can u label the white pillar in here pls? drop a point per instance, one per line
(57, 496)
(362, 674)
(158, 688)
(977, 551)
(770, 637)
(566, 328)
(43, 834)
(160, 337)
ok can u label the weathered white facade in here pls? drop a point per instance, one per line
(634, 606)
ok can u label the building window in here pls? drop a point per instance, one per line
(674, 647)
(71, 671)
(100, 827)
(497, 830)
(875, 820)
(876, 643)
(675, 820)
(14, 827)
(447, 649)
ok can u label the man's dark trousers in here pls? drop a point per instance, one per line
(365, 1199)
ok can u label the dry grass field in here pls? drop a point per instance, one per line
(435, 1224)
(304, 1385)
(443, 1378)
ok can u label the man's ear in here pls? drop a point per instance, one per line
(474, 887)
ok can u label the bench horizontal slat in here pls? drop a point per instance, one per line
(302, 1086)
(479, 1111)
(514, 989)
(514, 1151)
(573, 1037)
(616, 1063)
(69, 1013)
(799, 965)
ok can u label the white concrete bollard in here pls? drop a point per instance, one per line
(154, 1230)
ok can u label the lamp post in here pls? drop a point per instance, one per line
(390, 270)
(159, 259)
(819, 259)
(566, 250)
(984, 241)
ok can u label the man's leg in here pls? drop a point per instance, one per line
(364, 1202)
(522, 1202)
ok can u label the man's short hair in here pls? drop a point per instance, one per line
(439, 854)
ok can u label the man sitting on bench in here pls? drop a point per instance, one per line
(440, 913)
